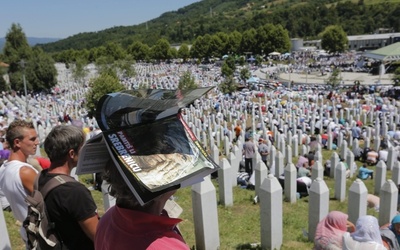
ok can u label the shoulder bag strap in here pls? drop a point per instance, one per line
(36, 182)
(53, 183)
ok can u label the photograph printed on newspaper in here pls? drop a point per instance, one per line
(149, 141)
(161, 154)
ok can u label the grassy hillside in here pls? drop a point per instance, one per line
(32, 41)
(301, 18)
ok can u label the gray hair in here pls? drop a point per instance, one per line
(61, 140)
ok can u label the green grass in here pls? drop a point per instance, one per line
(239, 225)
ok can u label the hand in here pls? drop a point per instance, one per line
(350, 227)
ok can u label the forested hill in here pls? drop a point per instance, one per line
(302, 18)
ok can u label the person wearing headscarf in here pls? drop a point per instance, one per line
(366, 236)
(389, 239)
(330, 230)
(395, 227)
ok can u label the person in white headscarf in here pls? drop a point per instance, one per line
(330, 230)
(366, 236)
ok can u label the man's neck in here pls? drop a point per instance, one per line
(17, 156)
(59, 170)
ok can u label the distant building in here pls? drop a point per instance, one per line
(359, 42)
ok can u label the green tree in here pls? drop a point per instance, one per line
(41, 73)
(241, 60)
(125, 66)
(187, 81)
(3, 83)
(71, 55)
(279, 39)
(173, 52)
(78, 70)
(199, 48)
(216, 47)
(334, 39)
(233, 43)
(96, 53)
(272, 38)
(15, 49)
(122, 67)
(335, 79)
(249, 41)
(104, 84)
(262, 39)
(207, 39)
(16, 46)
(104, 64)
(228, 67)
(161, 50)
(115, 51)
(139, 51)
(259, 60)
(244, 74)
(184, 52)
(228, 86)
(223, 38)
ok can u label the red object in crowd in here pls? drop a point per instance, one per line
(44, 162)
(263, 108)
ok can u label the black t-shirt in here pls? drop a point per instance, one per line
(66, 205)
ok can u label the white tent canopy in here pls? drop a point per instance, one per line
(389, 53)
(274, 53)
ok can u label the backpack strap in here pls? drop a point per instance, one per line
(52, 183)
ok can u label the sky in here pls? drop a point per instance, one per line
(61, 18)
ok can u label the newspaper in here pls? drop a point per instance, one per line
(148, 141)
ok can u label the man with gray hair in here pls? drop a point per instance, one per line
(70, 206)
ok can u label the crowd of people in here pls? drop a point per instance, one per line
(336, 232)
(71, 206)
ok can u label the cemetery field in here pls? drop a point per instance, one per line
(239, 225)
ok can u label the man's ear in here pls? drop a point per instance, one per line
(71, 153)
(17, 142)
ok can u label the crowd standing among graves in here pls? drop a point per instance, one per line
(306, 116)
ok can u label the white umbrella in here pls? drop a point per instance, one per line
(274, 53)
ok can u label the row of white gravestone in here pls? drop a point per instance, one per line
(202, 203)
(319, 196)
(385, 189)
(319, 193)
(269, 190)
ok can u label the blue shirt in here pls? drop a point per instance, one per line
(363, 173)
(355, 132)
